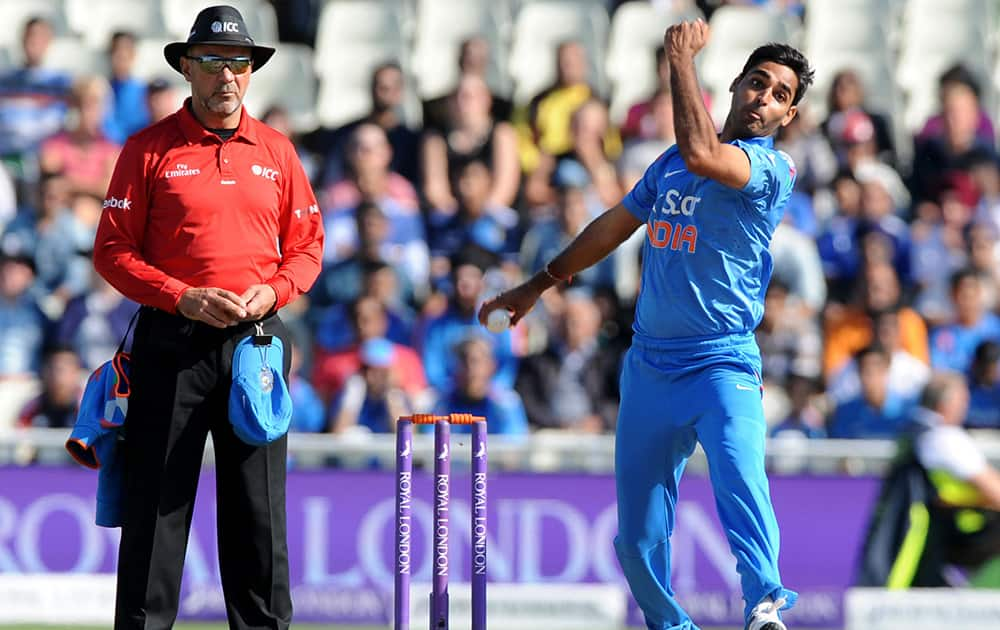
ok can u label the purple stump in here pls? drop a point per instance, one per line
(404, 522)
(478, 572)
(442, 497)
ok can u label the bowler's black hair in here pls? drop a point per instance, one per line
(784, 55)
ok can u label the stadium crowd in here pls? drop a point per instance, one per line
(885, 267)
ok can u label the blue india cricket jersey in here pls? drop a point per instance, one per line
(706, 263)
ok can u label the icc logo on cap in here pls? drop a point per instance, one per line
(229, 27)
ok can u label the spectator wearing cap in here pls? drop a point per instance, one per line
(575, 207)
(953, 344)
(388, 94)
(846, 96)
(876, 411)
(958, 142)
(128, 112)
(162, 99)
(573, 383)
(82, 153)
(476, 219)
(984, 387)
(939, 244)
(371, 398)
(32, 102)
(437, 335)
(475, 389)
(57, 404)
(472, 134)
(848, 329)
(22, 320)
(858, 151)
(332, 365)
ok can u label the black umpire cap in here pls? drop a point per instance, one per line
(222, 26)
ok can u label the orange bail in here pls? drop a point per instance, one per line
(453, 418)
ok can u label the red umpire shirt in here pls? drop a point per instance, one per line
(185, 209)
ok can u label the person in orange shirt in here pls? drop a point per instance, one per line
(848, 329)
(211, 225)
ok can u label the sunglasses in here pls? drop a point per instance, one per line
(213, 64)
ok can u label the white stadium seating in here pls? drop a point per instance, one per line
(539, 27)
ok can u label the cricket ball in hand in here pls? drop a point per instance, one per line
(498, 320)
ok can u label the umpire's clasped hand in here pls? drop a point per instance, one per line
(216, 307)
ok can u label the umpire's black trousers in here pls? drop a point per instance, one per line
(181, 376)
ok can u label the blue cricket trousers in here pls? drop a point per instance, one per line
(675, 393)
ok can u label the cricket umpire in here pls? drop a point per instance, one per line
(209, 223)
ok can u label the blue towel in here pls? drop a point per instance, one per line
(94, 441)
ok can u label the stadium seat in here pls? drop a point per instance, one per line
(347, 27)
(439, 32)
(345, 84)
(96, 20)
(287, 80)
(637, 30)
(70, 54)
(259, 15)
(851, 30)
(539, 27)
(14, 14)
(736, 32)
(14, 395)
(934, 36)
(875, 72)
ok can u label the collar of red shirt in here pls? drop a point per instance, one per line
(195, 132)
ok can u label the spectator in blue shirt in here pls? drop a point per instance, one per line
(128, 113)
(475, 220)
(33, 102)
(308, 410)
(60, 243)
(95, 322)
(438, 336)
(953, 345)
(549, 236)
(21, 320)
(876, 412)
(372, 398)
(476, 392)
(804, 418)
(984, 388)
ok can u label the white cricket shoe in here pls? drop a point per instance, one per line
(765, 615)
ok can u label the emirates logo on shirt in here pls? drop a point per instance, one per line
(182, 170)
